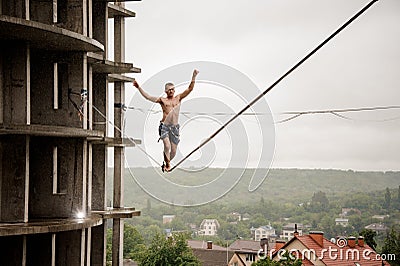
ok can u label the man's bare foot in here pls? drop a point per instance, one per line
(167, 167)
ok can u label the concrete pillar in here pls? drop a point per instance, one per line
(119, 99)
(26, 202)
(98, 237)
(119, 39)
(119, 163)
(27, 16)
(118, 241)
(55, 10)
(83, 247)
(23, 251)
(85, 87)
(55, 86)
(90, 177)
(1, 86)
(84, 176)
(90, 18)
(53, 249)
(90, 97)
(118, 177)
(1, 177)
(106, 53)
(88, 245)
(28, 84)
(119, 167)
(84, 17)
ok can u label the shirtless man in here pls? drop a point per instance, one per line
(169, 126)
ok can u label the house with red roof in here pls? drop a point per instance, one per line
(314, 249)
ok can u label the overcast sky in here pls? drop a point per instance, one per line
(263, 39)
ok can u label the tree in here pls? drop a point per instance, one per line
(388, 199)
(262, 201)
(132, 238)
(177, 224)
(398, 196)
(133, 242)
(319, 201)
(356, 222)
(258, 220)
(168, 251)
(369, 237)
(392, 245)
(109, 245)
(148, 205)
(149, 232)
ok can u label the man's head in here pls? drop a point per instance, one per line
(170, 89)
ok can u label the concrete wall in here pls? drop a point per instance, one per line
(11, 248)
(1, 88)
(100, 20)
(38, 249)
(99, 173)
(14, 82)
(99, 242)
(67, 14)
(41, 11)
(12, 179)
(69, 200)
(13, 8)
(70, 82)
(73, 19)
(100, 95)
(68, 248)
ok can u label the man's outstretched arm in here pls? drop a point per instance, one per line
(191, 85)
(145, 94)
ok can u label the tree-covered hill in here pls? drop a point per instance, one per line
(287, 185)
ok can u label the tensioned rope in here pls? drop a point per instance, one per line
(337, 111)
(129, 138)
(277, 81)
(294, 114)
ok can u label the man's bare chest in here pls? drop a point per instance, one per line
(170, 103)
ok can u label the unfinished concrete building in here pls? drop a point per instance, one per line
(54, 76)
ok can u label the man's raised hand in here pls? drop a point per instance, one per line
(136, 84)
(195, 72)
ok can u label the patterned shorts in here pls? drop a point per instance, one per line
(172, 131)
